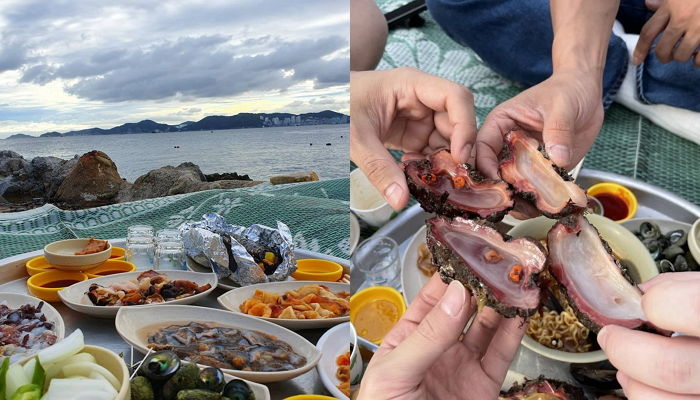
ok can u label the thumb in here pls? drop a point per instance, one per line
(382, 170)
(558, 138)
(437, 332)
(653, 5)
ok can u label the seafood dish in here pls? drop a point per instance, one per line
(93, 246)
(24, 330)
(670, 251)
(307, 302)
(591, 277)
(425, 261)
(162, 375)
(543, 389)
(536, 179)
(148, 288)
(343, 372)
(227, 348)
(501, 272)
(456, 190)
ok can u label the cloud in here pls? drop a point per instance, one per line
(189, 111)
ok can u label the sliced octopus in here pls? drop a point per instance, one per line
(447, 188)
(535, 178)
(501, 273)
(591, 276)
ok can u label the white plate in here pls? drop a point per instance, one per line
(16, 300)
(412, 279)
(133, 324)
(232, 300)
(354, 233)
(75, 298)
(334, 342)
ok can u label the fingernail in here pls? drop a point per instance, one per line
(603, 336)
(393, 193)
(561, 155)
(453, 299)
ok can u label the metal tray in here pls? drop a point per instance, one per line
(653, 202)
(101, 332)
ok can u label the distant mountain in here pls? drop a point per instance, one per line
(211, 123)
(21, 136)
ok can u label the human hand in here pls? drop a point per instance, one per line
(565, 112)
(422, 357)
(679, 20)
(652, 366)
(409, 110)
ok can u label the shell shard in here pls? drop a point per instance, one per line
(528, 169)
(591, 276)
(456, 190)
(500, 272)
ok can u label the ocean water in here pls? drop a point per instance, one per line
(259, 152)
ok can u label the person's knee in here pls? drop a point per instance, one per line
(368, 33)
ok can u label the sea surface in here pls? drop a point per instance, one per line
(260, 152)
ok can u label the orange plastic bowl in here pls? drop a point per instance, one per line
(46, 285)
(111, 267)
(38, 265)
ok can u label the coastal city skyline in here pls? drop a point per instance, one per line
(68, 66)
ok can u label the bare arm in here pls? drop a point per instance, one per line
(582, 29)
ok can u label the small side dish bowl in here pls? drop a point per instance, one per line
(45, 285)
(367, 298)
(37, 265)
(333, 344)
(618, 191)
(316, 269)
(366, 201)
(112, 363)
(16, 300)
(118, 253)
(111, 267)
(62, 255)
(622, 242)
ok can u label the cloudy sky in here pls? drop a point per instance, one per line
(73, 64)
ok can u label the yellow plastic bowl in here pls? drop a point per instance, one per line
(310, 397)
(37, 265)
(111, 267)
(36, 283)
(315, 269)
(118, 253)
(620, 191)
(370, 294)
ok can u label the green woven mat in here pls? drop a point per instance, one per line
(628, 143)
(316, 213)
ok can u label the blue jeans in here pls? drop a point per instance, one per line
(514, 38)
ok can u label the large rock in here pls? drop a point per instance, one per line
(11, 163)
(166, 181)
(294, 177)
(92, 181)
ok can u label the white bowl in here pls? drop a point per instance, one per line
(366, 201)
(113, 363)
(75, 298)
(233, 299)
(16, 300)
(354, 233)
(333, 343)
(622, 242)
(134, 324)
(694, 240)
(62, 255)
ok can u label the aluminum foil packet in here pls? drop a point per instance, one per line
(231, 251)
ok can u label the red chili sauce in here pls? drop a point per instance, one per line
(614, 207)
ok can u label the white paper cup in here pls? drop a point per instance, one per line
(366, 201)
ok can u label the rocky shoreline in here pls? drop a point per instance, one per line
(93, 180)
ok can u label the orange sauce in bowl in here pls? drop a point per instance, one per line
(375, 319)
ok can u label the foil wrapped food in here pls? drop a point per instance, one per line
(235, 252)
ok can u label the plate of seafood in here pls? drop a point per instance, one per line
(104, 296)
(163, 371)
(27, 325)
(293, 304)
(584, 269)
(337, 360)
(238, 344)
